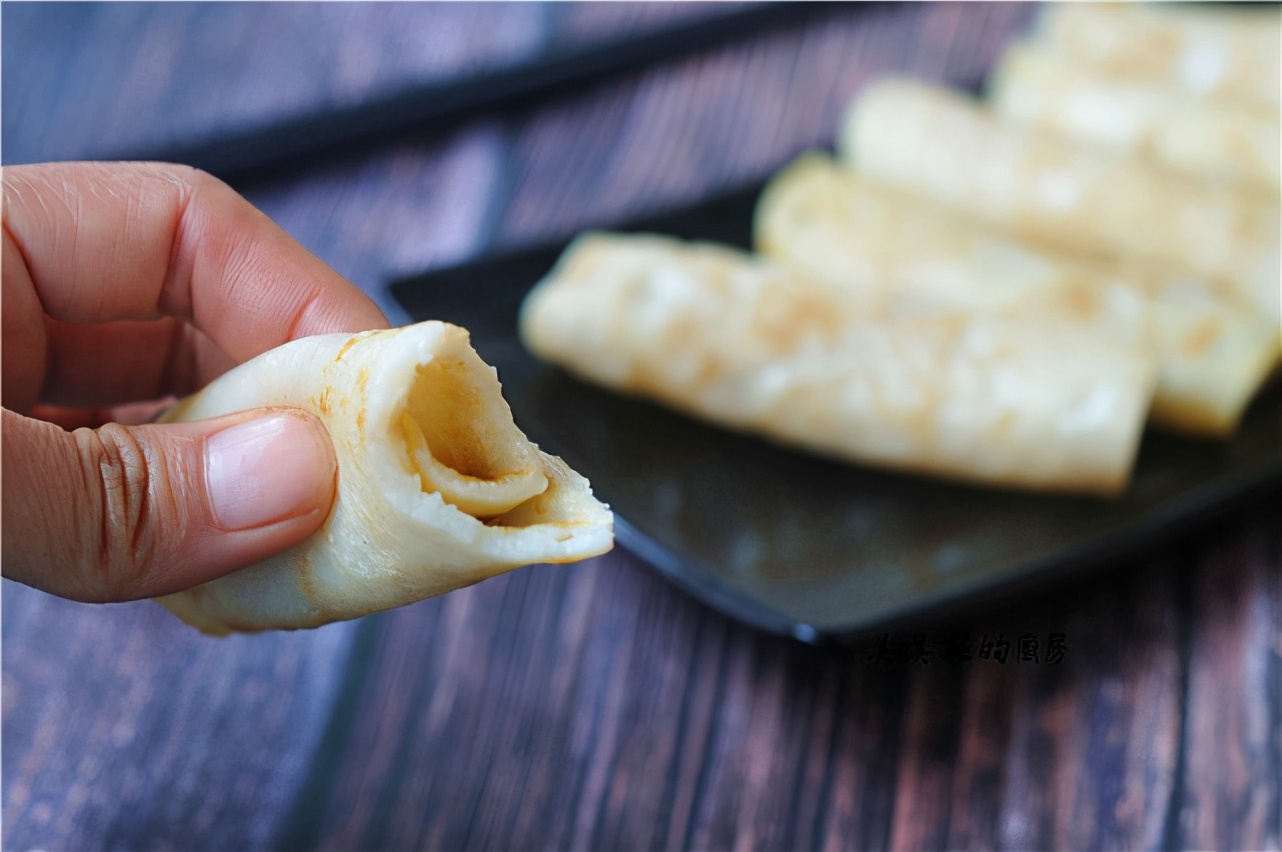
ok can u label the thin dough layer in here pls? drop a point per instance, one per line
(437, 487)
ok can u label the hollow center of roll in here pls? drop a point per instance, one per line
(462, 442)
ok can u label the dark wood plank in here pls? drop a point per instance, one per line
(429, 200)
(1093, 745)
(590, 721)
(354, 72)
(1231, 780)
(85, 78)
(690, 129)
(124, 729)
(978, 782)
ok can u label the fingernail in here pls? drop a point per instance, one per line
(267, 470)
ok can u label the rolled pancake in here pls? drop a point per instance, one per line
(947, 148)
(1225, 54)
(744, 343)
(1204, 138)
(907, 257)
(437, 487)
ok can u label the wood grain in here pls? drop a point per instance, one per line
(1233, 728)
(113, 68)
(595, 706)
(687, 130)
(123, 729)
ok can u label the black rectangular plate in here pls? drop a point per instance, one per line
(800, 545)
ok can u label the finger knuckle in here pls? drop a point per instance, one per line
(134, 511)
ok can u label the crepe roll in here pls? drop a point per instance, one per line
(747, 344)
(437, 487)
(947, 148)
(904, 257)
(1225, 54)
(1240, 143)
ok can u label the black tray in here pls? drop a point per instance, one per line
(795, 544)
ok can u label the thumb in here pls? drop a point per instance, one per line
(124, 512)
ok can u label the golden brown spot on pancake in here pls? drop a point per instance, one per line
(351, 341)
(323, 404)
(1082, 302)
(1201, 338)
(361, 382)
(710, 371)
(785, 320)
(329, 519)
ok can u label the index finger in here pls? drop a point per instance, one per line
(106, 242)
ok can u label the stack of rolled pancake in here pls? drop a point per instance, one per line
(1002, 292)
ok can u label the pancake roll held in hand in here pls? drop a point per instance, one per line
(907, 257)
(437, 487)
(947, 148)
(747, 344)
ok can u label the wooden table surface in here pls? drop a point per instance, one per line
(595, 706)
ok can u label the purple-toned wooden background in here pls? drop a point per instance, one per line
(594, 706)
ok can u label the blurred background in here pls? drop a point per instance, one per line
(522, 120)
(591, 706)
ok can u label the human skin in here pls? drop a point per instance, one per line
(126, 284)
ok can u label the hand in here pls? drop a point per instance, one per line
(133, 282)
